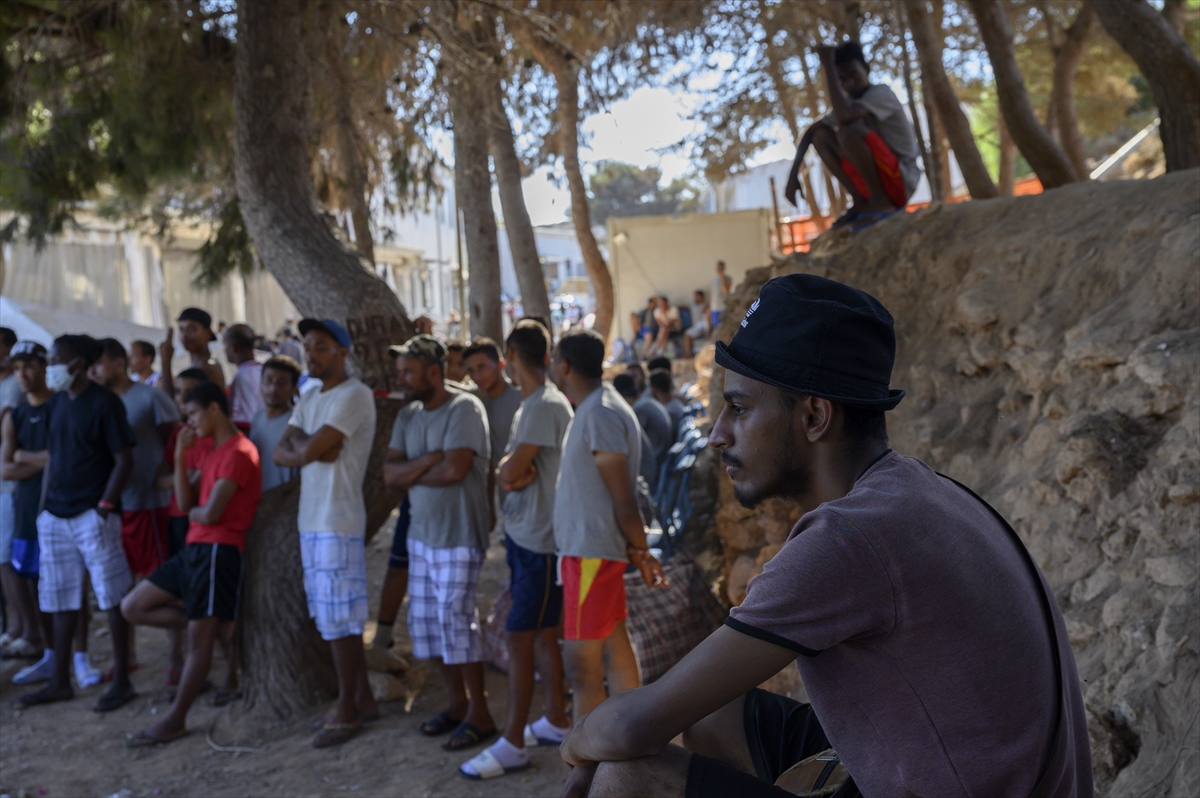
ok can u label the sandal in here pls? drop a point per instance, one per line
(144, 739)
(110, 672)
(469, 735)
(42, 696)
(868, 220)
(110, 700)
(204, 688)
(487, 766)
(225, 696)
(21, 649)
(439, 725)
(327, 720)
(334, 734)
(849, 217)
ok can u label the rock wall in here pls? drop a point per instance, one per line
(1050, 347)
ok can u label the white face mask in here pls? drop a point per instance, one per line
(58, 377)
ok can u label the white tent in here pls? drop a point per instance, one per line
(35, 323)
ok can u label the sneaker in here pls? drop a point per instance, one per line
(85, 674)
(40, 671)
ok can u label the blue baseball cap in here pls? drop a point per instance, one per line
(328, 326)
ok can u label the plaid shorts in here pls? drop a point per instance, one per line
(71, 545)
(335, 582)
(443, 619)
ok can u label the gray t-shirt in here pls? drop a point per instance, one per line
(585, 522)
(676, 411)
(265, 433)
(145, 409)
(657, 422)
(10, 397)
(541, 421)
(647, 468)
(500, 413)
(455, 515)
(889, 121)
(935, 673)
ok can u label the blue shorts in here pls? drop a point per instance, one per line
(536, 599)
(399, 556)
(25, 557)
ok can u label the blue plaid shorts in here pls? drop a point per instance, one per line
(335, 582)
(443, 619)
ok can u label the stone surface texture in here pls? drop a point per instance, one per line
(1050, 348)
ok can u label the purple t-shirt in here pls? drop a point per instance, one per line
(925, 647)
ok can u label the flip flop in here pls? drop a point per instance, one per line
(439, 725)
(332, 734)
(532, 740)
(867, 220)
(111, 672)
(40, 697)
(471, 736)
(327, 720)
(204, 688)
(144, 739)
(224, 696)
(110, 701)
(487, 766)
(21, 649)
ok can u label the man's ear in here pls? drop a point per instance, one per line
(818, 417)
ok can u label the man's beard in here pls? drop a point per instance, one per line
(787, 477)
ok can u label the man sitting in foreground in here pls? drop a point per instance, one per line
(932, 649)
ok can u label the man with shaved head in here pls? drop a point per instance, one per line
(245, 392)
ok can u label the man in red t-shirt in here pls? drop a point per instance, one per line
(198, 588)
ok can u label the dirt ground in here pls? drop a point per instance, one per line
(68, 750)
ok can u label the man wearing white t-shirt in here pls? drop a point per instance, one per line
(329, 439)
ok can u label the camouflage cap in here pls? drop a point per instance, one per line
(425, 347)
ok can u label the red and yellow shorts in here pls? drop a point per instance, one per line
(593, 597)
(888, 167)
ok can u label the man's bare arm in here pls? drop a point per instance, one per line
(296, 450)
(400, 472)
(614, 471)
(10, 467)
(516, 468)
(122, 465)
(452, 468)
(640, 722)
(845, 109)
(218, 499)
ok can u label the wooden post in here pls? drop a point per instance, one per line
(778, 226)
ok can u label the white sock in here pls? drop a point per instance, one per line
(85, 674)
(544, 729)
(383, 635)
(39, 671)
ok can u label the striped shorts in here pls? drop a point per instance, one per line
(71, 546)
(443, 620)
(335, 582)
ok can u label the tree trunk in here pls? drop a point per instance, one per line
(1047, 158)
(566, 80)
(1170, 68)
(521, 240)
(473, 183)
(287, 665)
(906, 65)
(937, 191)
(354, 172)
(851, 25)
(1173, 13)
(949, 110)
(1008, 158)
(1066, 63)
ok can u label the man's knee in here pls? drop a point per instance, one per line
(858, 129)
(662, 776)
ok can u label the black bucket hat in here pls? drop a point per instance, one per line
(817, 337)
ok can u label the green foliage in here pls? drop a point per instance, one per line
(228, 250)
(621, 189)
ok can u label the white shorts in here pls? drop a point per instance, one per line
(697, 330)
(69, 546)
(443, 619)
(335, 582)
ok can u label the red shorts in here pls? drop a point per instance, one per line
(888, 167)
(593, 597)
(144, 538)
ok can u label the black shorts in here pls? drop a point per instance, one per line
(177, 529)
(207, 576)
(536, 599)
(779, 732)
(399, 556)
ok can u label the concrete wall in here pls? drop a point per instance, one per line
(676, 255)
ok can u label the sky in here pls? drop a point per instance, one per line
(634, 130)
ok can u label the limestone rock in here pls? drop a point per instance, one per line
(1052, 362)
